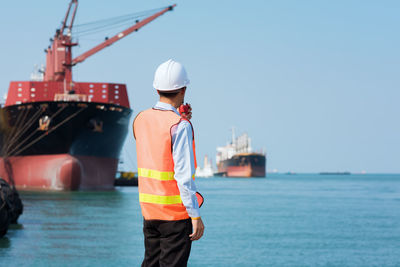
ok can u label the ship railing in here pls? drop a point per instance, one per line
(70, 97)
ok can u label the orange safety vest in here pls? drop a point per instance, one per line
(159, 194)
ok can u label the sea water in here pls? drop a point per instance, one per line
(281, 220)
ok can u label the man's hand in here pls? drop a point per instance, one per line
(198, 229)
(189, 113)
(185, 111)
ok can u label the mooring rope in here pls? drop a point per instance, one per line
(14, 129)
(33, 132)
(48, 132)
(23, 129)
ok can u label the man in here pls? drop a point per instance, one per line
(166, 166)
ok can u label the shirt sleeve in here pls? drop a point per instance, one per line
(182, 154)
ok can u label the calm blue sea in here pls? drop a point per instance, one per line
(283, 220)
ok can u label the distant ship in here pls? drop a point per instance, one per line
(207, 170)
(335, 173)
(237, 159)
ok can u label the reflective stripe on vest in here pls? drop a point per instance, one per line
(159, 194)
(162, 176)
(148, 198)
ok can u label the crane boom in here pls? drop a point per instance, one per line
(67, 15)
(119, 36)
(59, 60)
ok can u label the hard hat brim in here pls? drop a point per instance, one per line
(172, 89)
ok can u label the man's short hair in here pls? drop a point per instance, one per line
(170, 94)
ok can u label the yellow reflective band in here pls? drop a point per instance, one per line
(162, 176)
(156, 199)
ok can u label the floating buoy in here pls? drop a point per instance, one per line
(10, 206)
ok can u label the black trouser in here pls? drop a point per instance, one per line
(167, 243)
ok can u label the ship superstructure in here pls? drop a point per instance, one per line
(59, 134)
(237, 159)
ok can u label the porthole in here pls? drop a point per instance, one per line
(33, 89)
(104, 91)
(116, 87)
(91, 91)
(104, 86)
(19, 89)
(104, 96)
(91, 85)
(116, 97)
(116, 92)
(19, 95)
(32, 95)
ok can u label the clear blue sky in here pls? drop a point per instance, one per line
(315, 83)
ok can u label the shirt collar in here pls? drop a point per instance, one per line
(165, 106)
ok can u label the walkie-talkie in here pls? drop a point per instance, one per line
(185, 109)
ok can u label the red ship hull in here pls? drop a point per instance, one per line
(245, 171)
(243, 165)
(61, 172)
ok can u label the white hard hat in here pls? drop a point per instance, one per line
(170, 76)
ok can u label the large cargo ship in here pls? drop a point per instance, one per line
(59, 134)
(236, 159)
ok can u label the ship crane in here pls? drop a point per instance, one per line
(59, 60)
